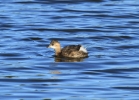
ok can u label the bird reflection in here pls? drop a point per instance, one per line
(59, 59)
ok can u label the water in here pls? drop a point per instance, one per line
(108, 28)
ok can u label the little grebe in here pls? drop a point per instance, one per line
(70, 51)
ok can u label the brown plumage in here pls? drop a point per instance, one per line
(70, 51)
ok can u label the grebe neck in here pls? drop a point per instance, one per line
(58, 51)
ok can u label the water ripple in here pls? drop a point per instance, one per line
(109, 30)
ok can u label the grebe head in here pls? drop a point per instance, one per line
(54, 44)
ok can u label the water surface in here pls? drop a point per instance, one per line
(107, 28)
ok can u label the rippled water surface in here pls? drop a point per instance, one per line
(109, 29)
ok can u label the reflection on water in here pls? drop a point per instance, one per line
(60, 59)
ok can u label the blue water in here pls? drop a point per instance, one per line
(109, 29)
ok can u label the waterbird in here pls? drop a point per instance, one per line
(69, 51)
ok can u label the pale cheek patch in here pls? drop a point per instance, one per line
(52, 47)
